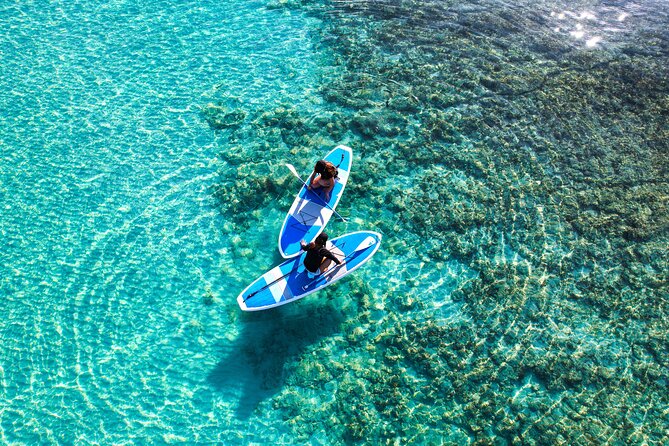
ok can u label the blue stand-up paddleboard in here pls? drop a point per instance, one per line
(310, 211)
(289, 281)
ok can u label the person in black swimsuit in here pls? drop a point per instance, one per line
(318, 257)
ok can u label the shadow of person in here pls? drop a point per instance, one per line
(267, 342)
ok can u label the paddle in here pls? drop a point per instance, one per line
(292, 169)
(366, 243)
(270, 284)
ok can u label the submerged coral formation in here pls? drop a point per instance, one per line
(489, 139)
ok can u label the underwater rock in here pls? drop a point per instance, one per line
(540, 168)
(221, 117)
(288, 4)
(292, 126)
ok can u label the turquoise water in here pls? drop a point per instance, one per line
(111, 242)
(514, 156)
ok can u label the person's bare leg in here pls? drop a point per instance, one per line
(325, 264)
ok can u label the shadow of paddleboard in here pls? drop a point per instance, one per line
(269, 340)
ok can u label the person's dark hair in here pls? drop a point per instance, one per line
(329, 172)
(319, 241)
(322, 238)
(320, 166)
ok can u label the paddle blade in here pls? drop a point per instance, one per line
(292, 169)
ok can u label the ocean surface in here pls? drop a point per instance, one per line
(514, 155)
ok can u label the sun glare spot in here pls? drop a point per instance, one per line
(592, 42)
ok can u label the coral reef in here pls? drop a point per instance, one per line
(221, 117)
(538, 164)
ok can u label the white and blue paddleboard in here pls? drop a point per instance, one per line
(289, 281)
(310, 213)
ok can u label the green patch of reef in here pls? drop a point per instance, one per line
(539, 165)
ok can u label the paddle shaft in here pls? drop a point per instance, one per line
(292, 270)
(269, 284)
(342, 262)
(292, 169)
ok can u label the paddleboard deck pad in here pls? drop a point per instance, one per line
(290, 280)
(309, 213)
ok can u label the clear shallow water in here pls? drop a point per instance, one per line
(112, 247)
(507, 303)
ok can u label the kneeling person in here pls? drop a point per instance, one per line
(318, 257)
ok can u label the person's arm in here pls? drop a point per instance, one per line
(329, 255)
(311, 179)
(316, 182)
